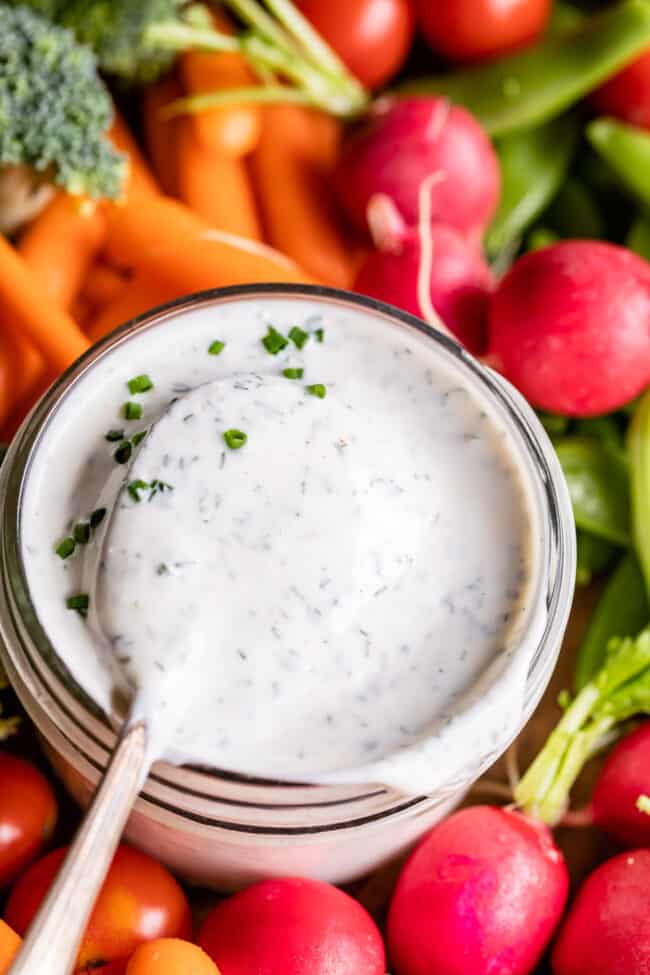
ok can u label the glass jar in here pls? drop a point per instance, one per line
(225, 830)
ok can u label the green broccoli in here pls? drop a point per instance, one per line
(54, 109)
(115, 29)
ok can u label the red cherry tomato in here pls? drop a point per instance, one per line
(467, 30)
(140, 901)
(28, 812)
(372, 37)
(627, 94)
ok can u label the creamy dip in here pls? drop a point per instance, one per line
(319, 574)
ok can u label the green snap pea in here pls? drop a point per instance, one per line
(594, 556)
(638, 239)
(532, 86)
(575, 213)
(621, 611)
(534, 164)
(598, 483)
(626, 149)
(607, 429)
(540, 237)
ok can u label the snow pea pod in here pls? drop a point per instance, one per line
(539, 237)
(598, 483)
(534, 85)
(594, 556)
(626, 149)
(638, 239)
(639, 450)
(621, 611)
(534, 164)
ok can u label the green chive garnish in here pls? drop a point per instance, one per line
(216, 347)
(65, 548)
(293, 373)
(235, 439)
(123, 453)
(320, 334)
(317, 389)
(97, 516)
(135, 487)
(274, 341)
(80, 602)
(81, 532)
(140, 384)
(298, 337)
(114, 435)
(132, 411)
(138, 437)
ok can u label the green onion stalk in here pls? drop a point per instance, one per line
(293, 62)
(620, 689)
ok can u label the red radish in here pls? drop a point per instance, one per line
(607, 930)
(407, 141)
(435, 268)
(627, 94)
(625, 777)
(570, 327)
(293, 927)
(482, 894)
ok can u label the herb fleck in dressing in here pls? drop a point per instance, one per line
(323, 573)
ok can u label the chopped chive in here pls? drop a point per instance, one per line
(140, 384)
(132, 411)
(320, 334)
(80, 602)
(97, 516)
(123, 453)
(216, 347)
(317, 389)
(274, 341)
(293, 373)
(158, 487)
(298, 337)
(235, 439)
(65, 548)
(114, 435)
(138, 437)
(81, 532)
(134, 488)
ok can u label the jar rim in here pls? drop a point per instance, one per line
(36, 643)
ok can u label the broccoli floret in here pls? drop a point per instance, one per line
(54, 108)
(115, 29)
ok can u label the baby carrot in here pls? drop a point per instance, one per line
(140, 178)
(61, 243)
(140, 225)
(102, 284)
(138, 296)
(291, 169)
(159, 132)
(52, 331)
(9, 945)
(233, 130)
(217, 187)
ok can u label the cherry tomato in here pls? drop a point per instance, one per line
(627, 94)
(28, 812)
(467, 30)
(140, 901)
(170, 956)
(372, 37)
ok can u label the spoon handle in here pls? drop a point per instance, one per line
(53, 939)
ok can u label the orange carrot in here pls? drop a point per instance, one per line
(135, 298)
(61, 243)
(9, 945)
(10, 354)
(51, 330)
(140, 178)
(102, 284)
(216, 187)
(160, 133)
(233, 130)
(291, 169)
(141, 225)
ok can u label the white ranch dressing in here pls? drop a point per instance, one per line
(345, 597)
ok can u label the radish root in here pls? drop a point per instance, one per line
(429, 314)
